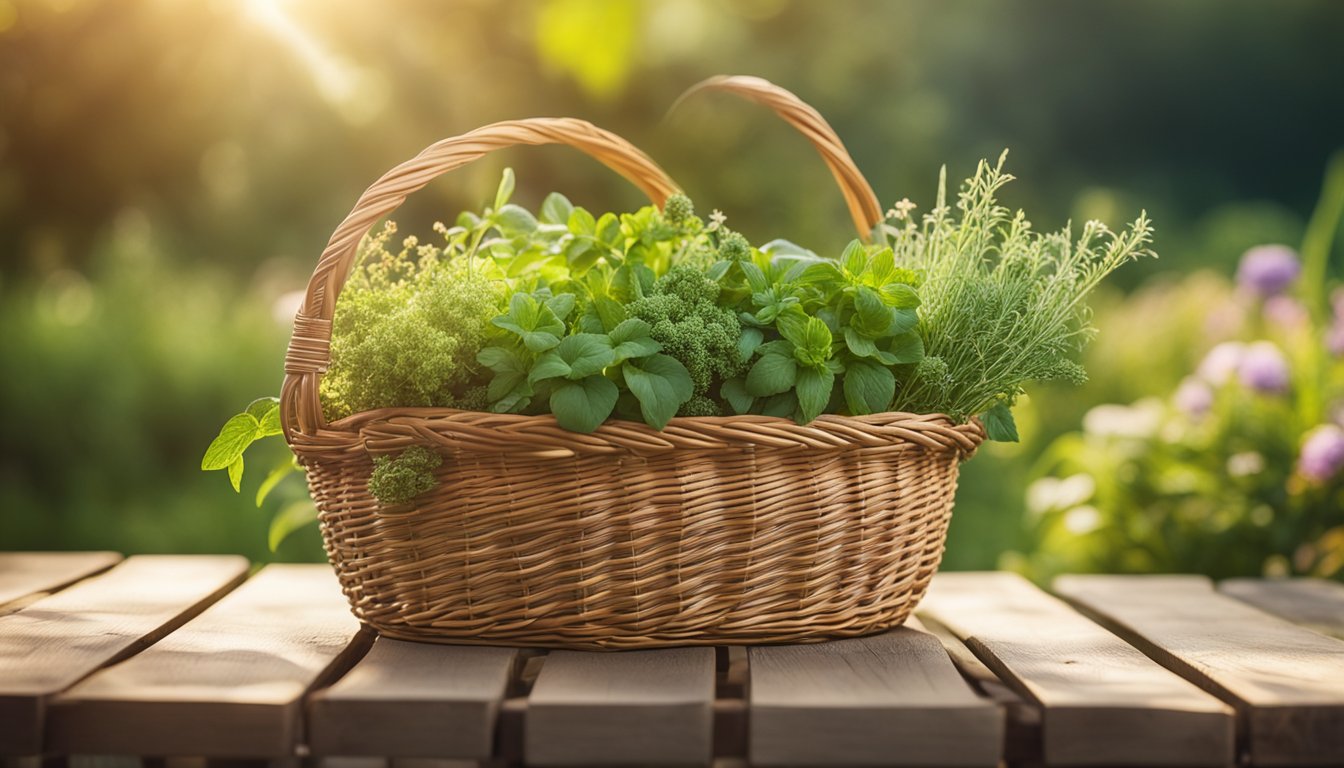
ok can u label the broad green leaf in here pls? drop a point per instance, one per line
(860, 345)
(586, 354)
(873, 316)
(661, 384)
(854, 259)
(282, 470)
(814, 392)
(291, 518)
(540, 341)
(999, 424)
(515, 220)
(904, 349)
(549, 366)
(819, 274)
(503, 384)
(608, 231)
(236, 474)
(632, 339)
(582, 406)
(734, 390)
(234, 437)
(505, 190)
(783, 405)
(555, 209)
(581, 254)
(793, 327)
(881, 268)
(748, 342)
(869, 388)
(816, 345)
(261, 406)
(902, 320)
(611, 312)
(581, 222)
(718, 269)
(756, 279)
(561, 305)
(899, 295)
(771, 375)
(500, 360)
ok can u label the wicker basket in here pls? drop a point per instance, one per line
(742, 529)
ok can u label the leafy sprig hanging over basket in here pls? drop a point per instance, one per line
(656, 314)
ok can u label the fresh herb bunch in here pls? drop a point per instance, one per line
(656, 313)
(1003, 305)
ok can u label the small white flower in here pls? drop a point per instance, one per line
(1082, 520)
(1141, 420)
(1245, 463)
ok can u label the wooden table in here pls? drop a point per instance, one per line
(176, 661)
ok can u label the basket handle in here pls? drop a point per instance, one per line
(863, 205)
(309, 351)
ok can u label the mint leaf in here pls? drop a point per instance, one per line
(904, 349)
(582, 406)
(661, 384)
(999, 423)
(515, 220)
(868, 388)
(581, 222)
(872, 314)
(783, 405)
(234, 437)
(860, 345)
(561, 305)
(608, 232)
(899, 295)
(611, 312)
(771, 375)
(814, 392)
(735, 392)
(902, 320)
(556, 208)
(854, 259)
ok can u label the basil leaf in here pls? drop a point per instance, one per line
(869, 388)
(234, 437)
(236, 474)
(771, 375)
(748, 342)
(556, 208)
(505, 190)
(734, 390)
(999, 424)
(814, 392)
(586, 354)
(549, 366)
(661, 384)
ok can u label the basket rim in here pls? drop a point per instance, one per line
(392, 429)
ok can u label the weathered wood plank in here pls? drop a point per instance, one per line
(229, 683)
(1286, 682)
(1022, 718)
(889, 699)
(1313, 603)
(26, 573)
(646, 707)
(414, 700)
(1102, 701)
(54, 642)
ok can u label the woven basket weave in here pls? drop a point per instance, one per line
(742, 529)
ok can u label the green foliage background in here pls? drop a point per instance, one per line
(169, 172)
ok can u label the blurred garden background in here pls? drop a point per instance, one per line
(169, 172)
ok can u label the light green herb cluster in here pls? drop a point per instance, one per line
(1002, 305)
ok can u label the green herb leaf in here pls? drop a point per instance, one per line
(549, 366)
(662, 385)
(999, 423)
(586, 354)
(234, 437)
(581, 222)
(555, 209)
(505, 190)
(899, 295)
(281, 470)
(854, 259)
(748, 342)
(633, 339)
(582, 406)
(860, 345)
(868, 388)
(734, 390)
(814, 392)
(291, 518)
(771, 375)
(236, 474)
(515, 220)
(904, 349)
(561, 305)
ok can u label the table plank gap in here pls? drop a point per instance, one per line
(1316, 604)
(53, 643)
(649, 707)
(888, 699)
(1286, 682)
(1102, 702)
(1022, 717)
(228, 684)
(28, 576)
(414, 700)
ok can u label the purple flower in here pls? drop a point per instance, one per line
(1221, 362)
(1322, 454)
(1263, 368)
(1194, 397)
(1268, 270)
(1334, 338)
